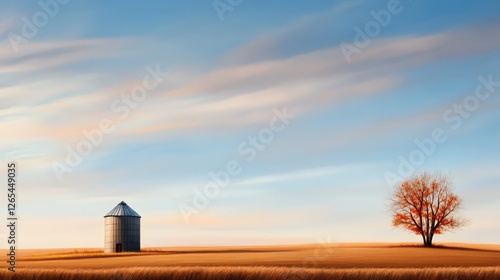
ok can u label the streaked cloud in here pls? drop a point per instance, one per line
(296, 175)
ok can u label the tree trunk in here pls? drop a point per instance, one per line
(425, 240)
(430, 239)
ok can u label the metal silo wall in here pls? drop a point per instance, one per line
(110, 230)
(131, 238)
(123, 230)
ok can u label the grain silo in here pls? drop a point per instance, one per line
(122, 230)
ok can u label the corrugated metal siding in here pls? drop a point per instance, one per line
(122, 229)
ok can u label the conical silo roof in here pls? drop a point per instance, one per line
(122, 210)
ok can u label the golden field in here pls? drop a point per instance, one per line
(322, 261)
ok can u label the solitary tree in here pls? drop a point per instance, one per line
(426, 205)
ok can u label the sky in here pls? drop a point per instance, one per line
(246, 122)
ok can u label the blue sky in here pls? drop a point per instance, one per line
(324, 175)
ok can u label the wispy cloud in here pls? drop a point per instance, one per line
(48, 54)
(306, 34)
(296, 175)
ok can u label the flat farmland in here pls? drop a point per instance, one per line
(326, 261)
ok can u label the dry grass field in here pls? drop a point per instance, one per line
(253, 273)
(332, 261)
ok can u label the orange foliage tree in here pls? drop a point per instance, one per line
(426, 205)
